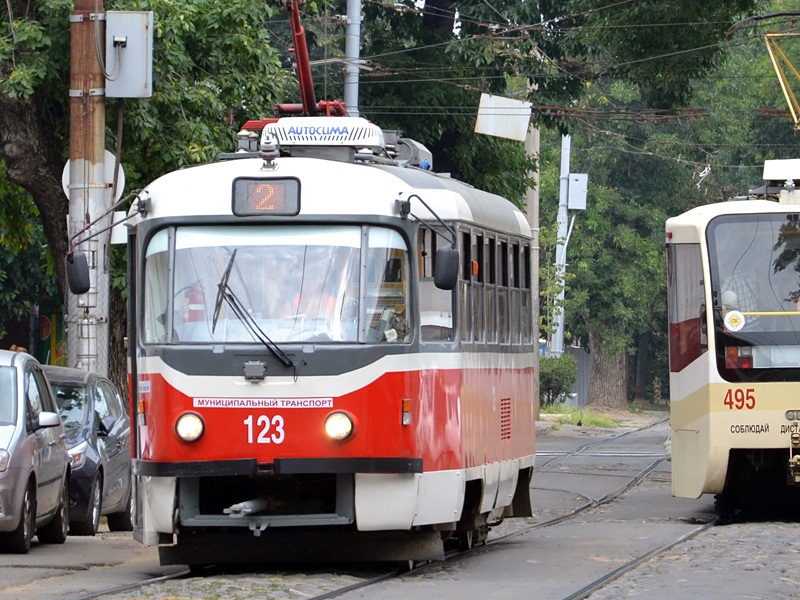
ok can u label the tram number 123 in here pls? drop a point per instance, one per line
(264, 430)
(740, 399)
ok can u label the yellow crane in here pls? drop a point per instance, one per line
(779, 61)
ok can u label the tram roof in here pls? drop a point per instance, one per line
(687, 227)
(334, 188)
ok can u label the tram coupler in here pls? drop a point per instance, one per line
(251, 507)
(794, 460)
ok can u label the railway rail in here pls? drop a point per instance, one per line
(351, 583)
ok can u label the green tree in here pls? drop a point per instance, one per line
(659, 46)
(216, 64)
(26, 274)
(214, 67)
(643, 167)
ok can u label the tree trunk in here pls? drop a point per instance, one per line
(117, 354)
(607, 384)
(34, 163)
(642, 364)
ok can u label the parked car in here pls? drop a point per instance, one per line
(98, 428)
(34, 466)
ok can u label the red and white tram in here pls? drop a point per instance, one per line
(304, 388)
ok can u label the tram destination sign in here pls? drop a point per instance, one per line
(260, 197)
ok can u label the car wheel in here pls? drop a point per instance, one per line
(55, 532)
(91, 524)
(19, 540)
(123, 521)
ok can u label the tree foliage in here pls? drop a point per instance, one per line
(214, 67)
(557, 375)
(660, 46)
(218, 64)
(26, 273)
(645, 166)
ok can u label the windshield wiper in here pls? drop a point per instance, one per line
(221, 287)
(225, 293)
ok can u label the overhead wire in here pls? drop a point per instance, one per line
(580, 115)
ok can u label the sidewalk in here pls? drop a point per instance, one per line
(626, 419)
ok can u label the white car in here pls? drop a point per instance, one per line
(34, 465)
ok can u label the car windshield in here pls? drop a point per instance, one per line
(8, 395)
(73, 404)
(295, 283)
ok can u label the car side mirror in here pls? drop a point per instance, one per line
(107, 424)
(445, 270)
(49, 419)
(77, 272)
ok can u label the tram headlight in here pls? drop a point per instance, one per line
(338, 426)
(190, 427)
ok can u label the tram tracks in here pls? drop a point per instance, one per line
(603, 581)
(593, 449)
(610, 576)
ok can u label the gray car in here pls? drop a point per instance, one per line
(98, 429)
(34, 465)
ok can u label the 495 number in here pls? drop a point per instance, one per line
(263, 429)
(739, 399)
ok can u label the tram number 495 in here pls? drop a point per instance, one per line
(264, 429)
(739, 399)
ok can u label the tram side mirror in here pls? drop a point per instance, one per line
(445, 271)
(77, 272)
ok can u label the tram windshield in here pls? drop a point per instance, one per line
(297, 284)
(755, 271)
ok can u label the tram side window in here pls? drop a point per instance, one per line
(466, 292)
(516, 296)
(503, 293)
(687, 310)
(478, 290)
(491, 290)
(435, 305)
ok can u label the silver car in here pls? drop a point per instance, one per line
(34, 465)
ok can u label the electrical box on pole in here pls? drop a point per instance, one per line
(129, 54)
(578, 190)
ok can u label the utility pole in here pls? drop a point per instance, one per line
(532, 213)
(352, 56)
(573, 190)
(87, 314)
(557, 337)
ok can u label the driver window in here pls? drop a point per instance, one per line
(156, 288)
(387, 287)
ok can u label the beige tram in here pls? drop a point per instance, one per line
(733, 273)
